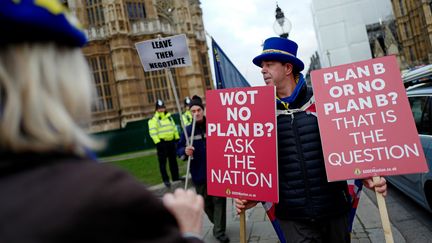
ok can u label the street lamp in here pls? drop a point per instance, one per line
(328, 57)
(281, 26)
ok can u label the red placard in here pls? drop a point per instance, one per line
(241, 143)
(366, 124)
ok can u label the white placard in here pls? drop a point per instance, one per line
(164, 53)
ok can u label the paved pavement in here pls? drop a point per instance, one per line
(367, 225)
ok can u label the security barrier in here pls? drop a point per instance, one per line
(133, 137)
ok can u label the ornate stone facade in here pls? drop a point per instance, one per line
(124, 91)
(383, 40)
(414, 29)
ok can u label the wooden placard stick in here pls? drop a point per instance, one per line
(383, 213)
(243, 226)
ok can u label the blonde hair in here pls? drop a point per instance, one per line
(45, 95)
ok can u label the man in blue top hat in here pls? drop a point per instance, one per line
(310, 209)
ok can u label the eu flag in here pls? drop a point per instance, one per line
(227, 75)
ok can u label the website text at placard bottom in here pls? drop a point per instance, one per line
(243, 194)
(379, 170)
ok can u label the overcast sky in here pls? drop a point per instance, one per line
(241, 26)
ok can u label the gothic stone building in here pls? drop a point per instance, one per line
(124, 91)
(383, 40)
(414, 28)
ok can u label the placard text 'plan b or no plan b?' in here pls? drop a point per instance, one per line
(366, 125)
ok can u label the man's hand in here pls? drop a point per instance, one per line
(244, 204)
(189, 150)
(380, 186)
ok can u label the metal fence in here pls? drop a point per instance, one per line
(134, 137)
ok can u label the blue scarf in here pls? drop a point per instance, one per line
(286, 100)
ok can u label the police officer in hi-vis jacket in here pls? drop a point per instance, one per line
(163, 131)
(187, 115)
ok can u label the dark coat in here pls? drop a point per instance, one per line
(304, 193)
(199, 161)
(58, 198)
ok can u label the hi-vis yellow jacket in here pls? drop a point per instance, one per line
(187, 117)
(162, 127)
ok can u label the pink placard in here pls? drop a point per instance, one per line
(366, 124)
(241, 143)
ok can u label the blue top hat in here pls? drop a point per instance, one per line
(39, 21)
(280, 49)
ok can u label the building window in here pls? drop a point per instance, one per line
(149, 88)
(95, 13)
(157, 86)
(104, 99)
(402, 11)
(135, 10)
(405, 25)
(205, 70)
(411, 52)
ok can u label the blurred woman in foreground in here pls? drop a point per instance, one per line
(50, 188)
